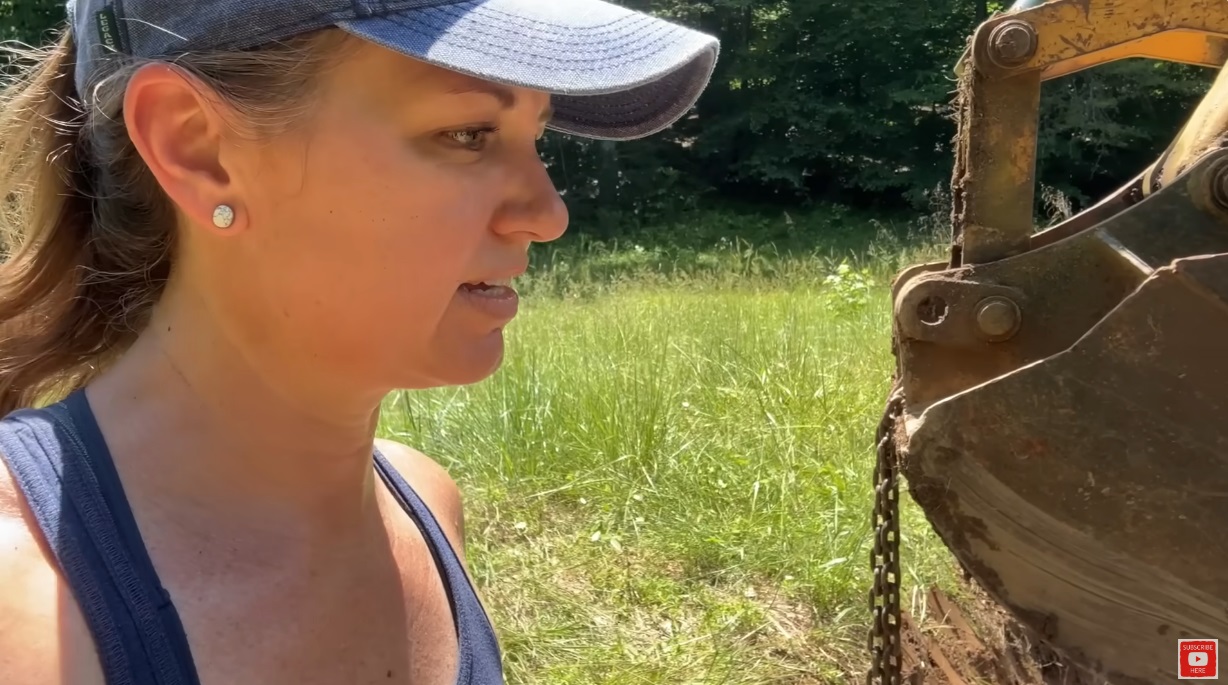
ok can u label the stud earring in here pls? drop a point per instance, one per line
(223, 216)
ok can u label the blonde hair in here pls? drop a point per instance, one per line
(87, 235)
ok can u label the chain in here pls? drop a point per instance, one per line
(884, 638)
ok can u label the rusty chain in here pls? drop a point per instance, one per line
(884, 637)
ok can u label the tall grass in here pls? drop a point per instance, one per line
(669, 478)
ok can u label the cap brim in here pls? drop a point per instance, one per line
(615, 73)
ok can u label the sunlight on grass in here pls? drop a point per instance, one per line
(669, 479)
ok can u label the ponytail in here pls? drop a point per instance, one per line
(50, 330)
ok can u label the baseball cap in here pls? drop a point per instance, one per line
(614, 73)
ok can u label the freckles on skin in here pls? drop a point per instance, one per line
(372, 234)
(363, 224)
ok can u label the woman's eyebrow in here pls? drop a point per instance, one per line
(505, 96)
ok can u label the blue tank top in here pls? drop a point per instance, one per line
(62, 465)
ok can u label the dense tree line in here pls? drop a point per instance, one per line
(844, 101)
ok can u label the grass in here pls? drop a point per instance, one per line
(669, 479)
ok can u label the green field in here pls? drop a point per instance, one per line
(669, 479)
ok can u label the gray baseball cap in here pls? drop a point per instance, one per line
(614, 73)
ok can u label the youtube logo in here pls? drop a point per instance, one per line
(1198, 659)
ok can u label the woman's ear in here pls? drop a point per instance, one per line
(177, 131)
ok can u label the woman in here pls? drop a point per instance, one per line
(233, 228)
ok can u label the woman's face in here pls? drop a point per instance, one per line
(363, 238)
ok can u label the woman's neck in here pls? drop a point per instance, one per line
(227, 438)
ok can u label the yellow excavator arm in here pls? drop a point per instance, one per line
(1001, 73)
(1060, 409)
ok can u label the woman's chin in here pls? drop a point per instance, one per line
(465, 362)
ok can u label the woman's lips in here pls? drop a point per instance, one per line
(495, 298)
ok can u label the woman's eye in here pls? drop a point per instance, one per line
(471, 139)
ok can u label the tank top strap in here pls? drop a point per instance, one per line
(61, 464)
(481, 660)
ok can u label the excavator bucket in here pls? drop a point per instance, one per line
(1064, 393)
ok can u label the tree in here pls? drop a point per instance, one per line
(831, 101)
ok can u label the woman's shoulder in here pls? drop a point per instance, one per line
(433, 484)
(21, 547)
(43, 637)
(25, 574)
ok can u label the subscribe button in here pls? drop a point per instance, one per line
(1198, 659)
